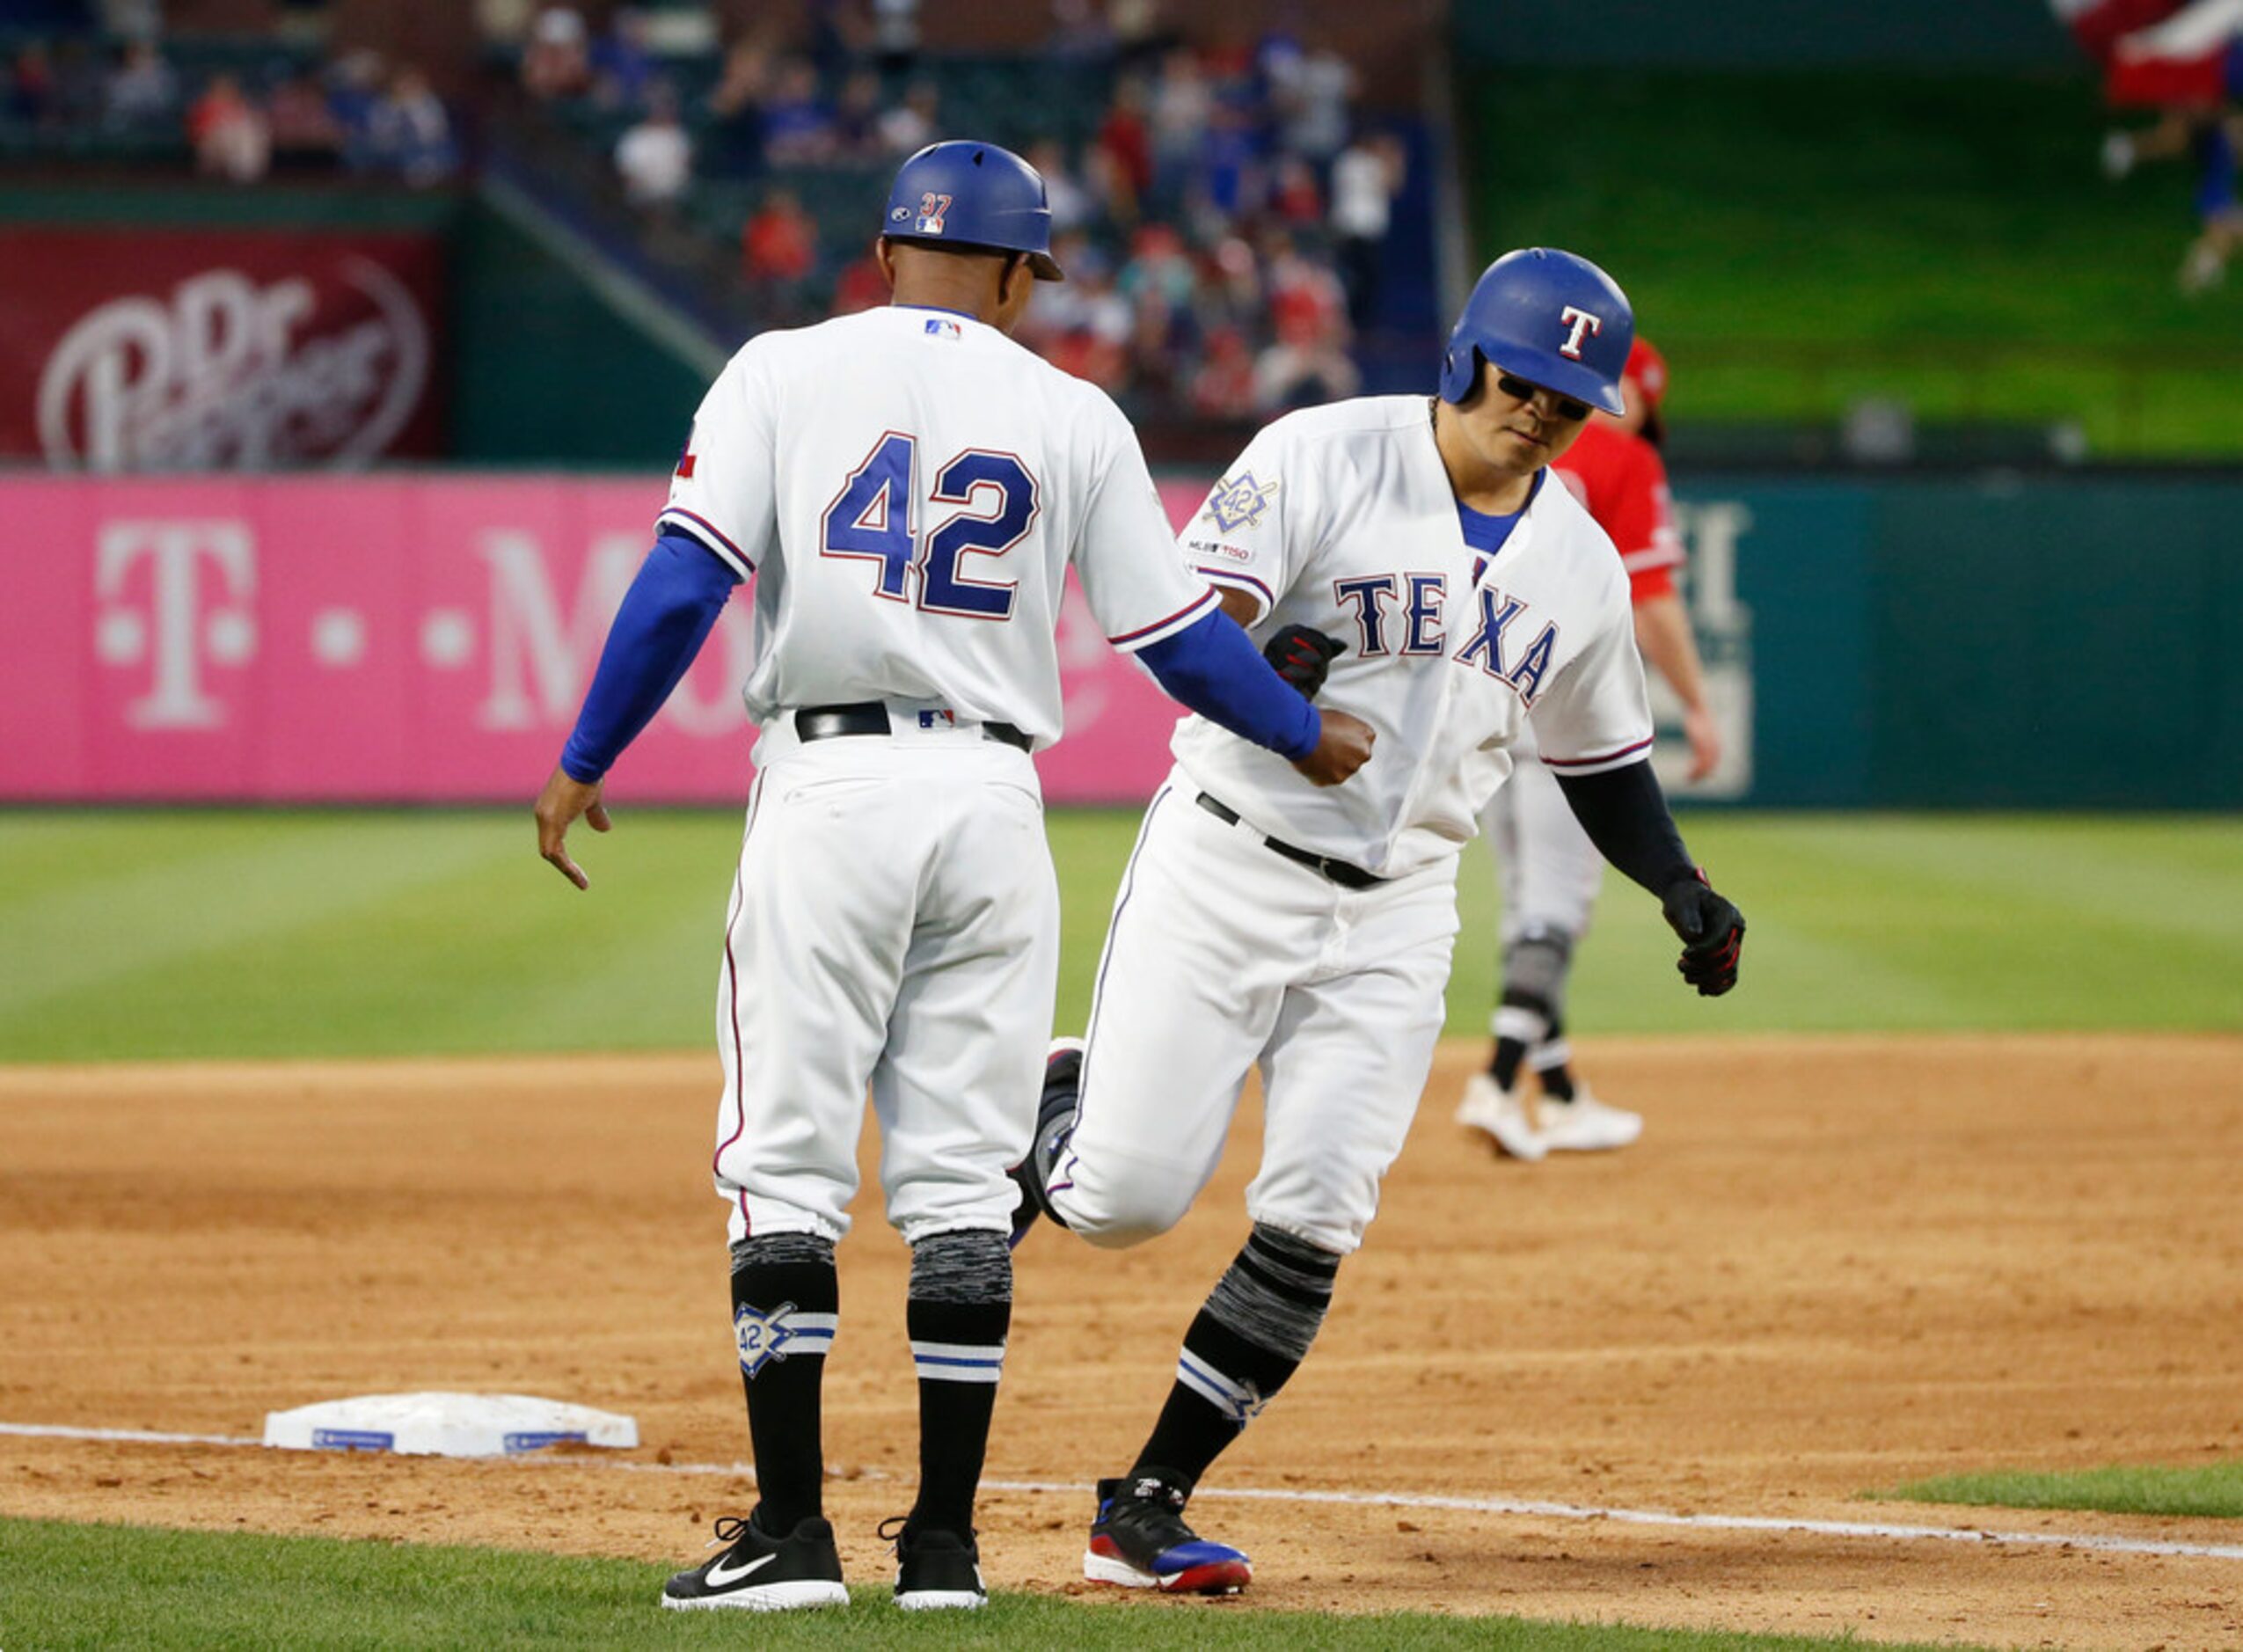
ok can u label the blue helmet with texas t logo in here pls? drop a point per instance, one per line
(1551, 318)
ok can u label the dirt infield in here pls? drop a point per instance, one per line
(1832, 1265)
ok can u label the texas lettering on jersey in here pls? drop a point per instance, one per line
(1363, 542)
(1404, 614)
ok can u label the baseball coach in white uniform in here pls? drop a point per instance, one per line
(907, 489)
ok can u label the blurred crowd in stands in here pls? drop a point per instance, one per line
(117, 87)
(1222, 211)
(1221, 214)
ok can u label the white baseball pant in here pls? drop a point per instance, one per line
(1222, 955)
(895, 923)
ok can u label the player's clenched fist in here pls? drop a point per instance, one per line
(1712, 934)
(559, 806)
(1343, 748)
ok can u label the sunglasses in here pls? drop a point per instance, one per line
(1519, 390)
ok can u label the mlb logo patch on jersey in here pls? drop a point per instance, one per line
(939, 720)
(937, 328)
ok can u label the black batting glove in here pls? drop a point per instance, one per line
(1712, 934)
(1303, 655)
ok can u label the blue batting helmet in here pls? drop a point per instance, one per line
(1549, 316)
(968, 195)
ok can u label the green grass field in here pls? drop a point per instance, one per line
(241, 934)
(73, 1586)
(216, 935)
(2212, 1489)
(1798, 240)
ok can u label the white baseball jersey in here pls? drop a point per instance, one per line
(1343, 518)
(907, 488)
(910, 542)
(1222, 956)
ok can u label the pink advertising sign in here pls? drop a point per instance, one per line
(416, 638)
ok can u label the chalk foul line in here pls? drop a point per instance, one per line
(1524, 1507)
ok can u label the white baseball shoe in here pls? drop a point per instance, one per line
(1503, 1114)
(2205, 268)
(1586, 1125)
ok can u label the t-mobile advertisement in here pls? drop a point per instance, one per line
(413, 639)
(429, 639)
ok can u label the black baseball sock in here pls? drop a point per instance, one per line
(960, 1311)
(1552, 1064)
(786, 1297)
(1248, 1340)
(1522, 1022)
(1505, 1068)
(1534, 986)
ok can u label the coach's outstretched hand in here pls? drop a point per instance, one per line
(1343, 748)
(1712, 934)
(559, 805)
(1303, 655)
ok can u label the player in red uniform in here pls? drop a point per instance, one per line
(1550, 870)
(2184, 61)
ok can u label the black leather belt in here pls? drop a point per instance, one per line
(870, 717)
(1347, 876)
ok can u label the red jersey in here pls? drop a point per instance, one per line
(2157, 83)
(1623, 481)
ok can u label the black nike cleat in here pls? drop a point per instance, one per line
(935, 1571)
(762, 1573)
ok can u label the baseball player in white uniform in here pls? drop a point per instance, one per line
(1263, 922)
(907, 488)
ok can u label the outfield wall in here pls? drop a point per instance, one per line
(1896, 643)
(2027, 643)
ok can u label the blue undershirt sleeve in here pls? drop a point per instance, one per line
(666, 616)
(1212, 668)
